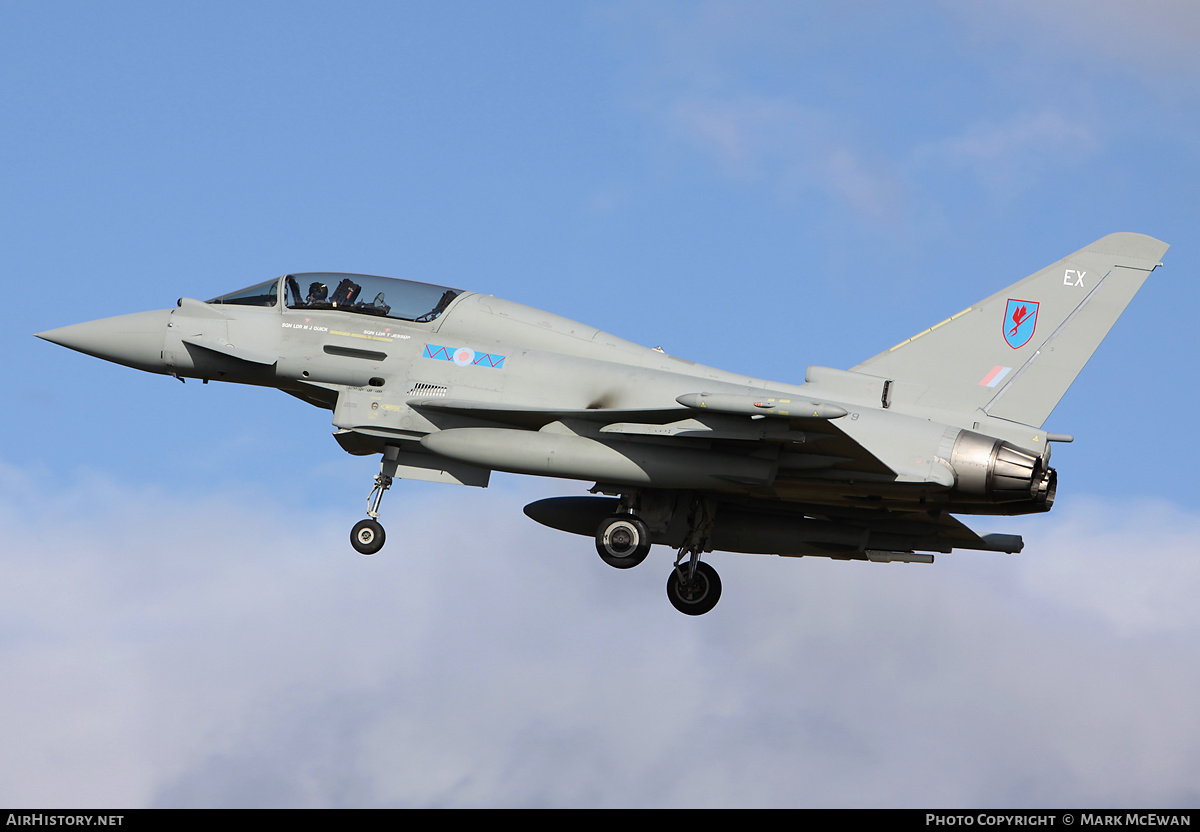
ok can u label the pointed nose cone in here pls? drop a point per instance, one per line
(133, 340)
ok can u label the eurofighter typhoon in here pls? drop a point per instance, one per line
(871, 463)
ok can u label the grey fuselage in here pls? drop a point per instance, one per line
(512, 388)
(868, 463)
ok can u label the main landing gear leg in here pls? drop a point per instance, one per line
(694, 587)
(367, 536)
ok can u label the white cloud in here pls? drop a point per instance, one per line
(236, 653)
(1026, 134)
(798, 149)
(1013, 155)
(751, 88)
(1158, 35)
(1136, 579)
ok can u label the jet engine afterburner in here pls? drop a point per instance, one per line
(999, 472)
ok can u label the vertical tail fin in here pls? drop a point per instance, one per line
(1015, 354)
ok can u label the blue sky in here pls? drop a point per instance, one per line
(755, 186)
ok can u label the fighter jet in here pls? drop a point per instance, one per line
(871, 463)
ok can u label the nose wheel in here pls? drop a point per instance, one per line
(367, 537)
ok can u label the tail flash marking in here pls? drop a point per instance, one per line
(993, 378)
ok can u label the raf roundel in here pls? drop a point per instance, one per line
(463, 357)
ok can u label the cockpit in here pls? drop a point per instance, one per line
(386, 297)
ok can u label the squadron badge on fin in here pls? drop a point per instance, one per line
(1020, 320)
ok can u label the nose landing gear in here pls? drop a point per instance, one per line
(367, 536)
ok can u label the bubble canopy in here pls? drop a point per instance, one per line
(386, 297)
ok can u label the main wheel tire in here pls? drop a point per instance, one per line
(367, 537)
(698, 598)
(622, 541)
